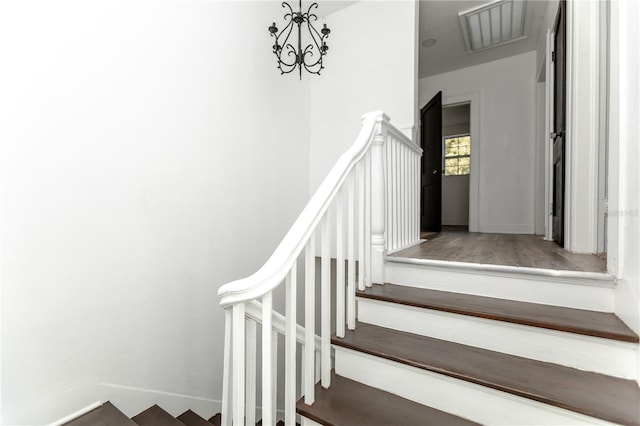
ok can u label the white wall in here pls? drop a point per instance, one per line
(150, 152)
(371, 65)
(507, 131)
(624, 156)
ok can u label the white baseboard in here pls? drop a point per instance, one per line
(132, 400)
(455, 221)
(507, 228)
(81, 412)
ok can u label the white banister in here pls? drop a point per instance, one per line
(378, 180)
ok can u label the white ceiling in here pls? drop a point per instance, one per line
(439, 20)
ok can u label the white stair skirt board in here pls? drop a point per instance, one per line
(458, 397)
(580, 290)
(588, 353)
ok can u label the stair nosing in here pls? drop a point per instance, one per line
(630, 337)
(600, 279)
(479, 381)
(356, 391)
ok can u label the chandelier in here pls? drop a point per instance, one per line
(290, 57)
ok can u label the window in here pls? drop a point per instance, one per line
(457, 152)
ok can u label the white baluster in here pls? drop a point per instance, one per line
(267, 395)
(309, 319)
(367, 197)
(340, 287)
(250, 378)
(325, 301)
(361, 222)
(238, 362)
(403, 218)
(416, 195)
(227, 409)
(378, 209)
(274, 376)
(389, 190)
(396, 193)
(351, 262)
(290, 349)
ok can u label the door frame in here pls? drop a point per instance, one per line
(473, 99)
(583, 122)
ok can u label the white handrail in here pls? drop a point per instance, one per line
(276, 268)
(372, 196)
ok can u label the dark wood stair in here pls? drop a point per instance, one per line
(578, 321)
(592, 394)
(351, 403)
(108, 415)
(190, 418)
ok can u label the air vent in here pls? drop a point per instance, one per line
(493, 24)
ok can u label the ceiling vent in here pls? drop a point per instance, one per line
(493, 24)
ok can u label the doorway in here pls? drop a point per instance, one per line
(465, 122)
(456, 158)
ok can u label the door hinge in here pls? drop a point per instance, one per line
(553, 56)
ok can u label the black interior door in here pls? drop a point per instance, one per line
(558, 135)
(431, 141)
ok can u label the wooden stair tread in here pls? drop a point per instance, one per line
(347, 402)
(156, 416)
(579, 321)
(105, 415)
(605, 397)
(190, 418)
(216, 419)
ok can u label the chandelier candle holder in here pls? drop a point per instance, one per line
(291, 58)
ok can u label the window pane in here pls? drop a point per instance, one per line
(451, 166)
(451, 147)
(457, 146)
(464, 166)
(464, 146)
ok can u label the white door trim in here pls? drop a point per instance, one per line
(583, 119)
(474, 130)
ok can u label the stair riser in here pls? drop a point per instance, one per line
(572, 293)
(308, 422)
(468, 400)
(588, 353)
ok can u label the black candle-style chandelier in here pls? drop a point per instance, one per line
(309, 58)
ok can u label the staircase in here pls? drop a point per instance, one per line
(406, 341)
(108, 415)
(393, 348)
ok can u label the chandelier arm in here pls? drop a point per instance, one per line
(309, 50)
(312, 70)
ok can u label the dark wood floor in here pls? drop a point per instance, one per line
(502, 249)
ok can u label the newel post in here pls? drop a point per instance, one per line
(378, 201)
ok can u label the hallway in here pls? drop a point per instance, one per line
(502, 249)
